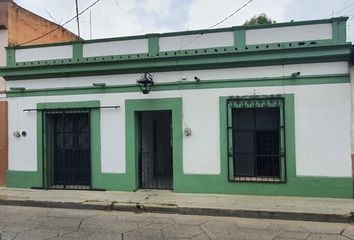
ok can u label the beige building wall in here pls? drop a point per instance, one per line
(24, 26)
(3, 13)
(3, 44)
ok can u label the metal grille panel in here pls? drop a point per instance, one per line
(68, 150)
(153, 176)
(256, 135)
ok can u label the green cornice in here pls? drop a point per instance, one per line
(224, 57)
(187, 85)
(154, 60)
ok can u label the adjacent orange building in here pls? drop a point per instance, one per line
(19, 26)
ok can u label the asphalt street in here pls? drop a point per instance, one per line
(50, 223)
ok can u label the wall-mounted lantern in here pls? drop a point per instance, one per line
(146, 82)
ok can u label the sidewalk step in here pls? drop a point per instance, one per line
(175, 209)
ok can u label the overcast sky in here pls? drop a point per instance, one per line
(113, 18)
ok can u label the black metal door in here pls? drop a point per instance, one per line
(155, 165)
(71, 151)
(152, 175)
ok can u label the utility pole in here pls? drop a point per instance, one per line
(77, 18)
(90, 25)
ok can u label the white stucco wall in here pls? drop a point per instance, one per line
(44, 53)
(322, 118)
(323, 129)
(352, 97)
(3, 44)
(289, 34)
(196, 41)
(115, 48)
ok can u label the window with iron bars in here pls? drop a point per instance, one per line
(256, 139)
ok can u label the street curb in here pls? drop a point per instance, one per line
(174, 209)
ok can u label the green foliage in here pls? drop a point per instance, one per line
(259, 20)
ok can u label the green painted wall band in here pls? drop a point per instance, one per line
(240, 38)
(24, 179)
(153, 43)
(77, 50)
(335, 187)
(207, 84)
(10, 57)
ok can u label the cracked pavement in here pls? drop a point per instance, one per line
(20, 223)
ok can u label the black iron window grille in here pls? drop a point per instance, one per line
(256, 139)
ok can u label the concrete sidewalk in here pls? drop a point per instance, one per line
(291, 208)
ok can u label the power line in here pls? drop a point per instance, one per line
(218, 23)
(50, 15)
(118, 5)
(331, 15)
(349, 11)
(60, 26)
(90, 25)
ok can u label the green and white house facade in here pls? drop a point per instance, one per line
(262, 110)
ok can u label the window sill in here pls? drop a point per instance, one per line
(262, 179)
